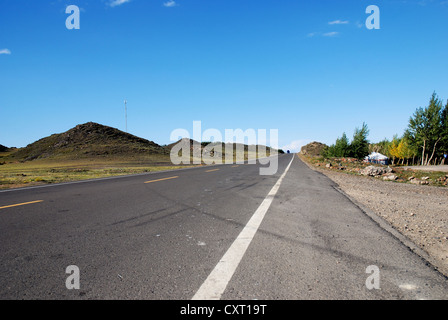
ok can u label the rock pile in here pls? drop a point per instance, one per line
(444, 180)
(386, 173)
(375, 171)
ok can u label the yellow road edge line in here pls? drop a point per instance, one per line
(21, 204)
(162, 179)
(212, 170)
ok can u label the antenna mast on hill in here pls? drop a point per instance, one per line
(126, 114)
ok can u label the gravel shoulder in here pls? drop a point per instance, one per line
(442, 168)
(419, 212)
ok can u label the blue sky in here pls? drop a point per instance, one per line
(310, 69)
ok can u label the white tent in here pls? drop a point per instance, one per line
(376, 157)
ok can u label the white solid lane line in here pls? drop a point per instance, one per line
(215, 284)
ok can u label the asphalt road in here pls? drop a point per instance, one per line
(162, 235)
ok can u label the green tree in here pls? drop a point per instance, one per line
(425, 129)
(359, 147)
(342, 146)
(444, 140)
(340, 149)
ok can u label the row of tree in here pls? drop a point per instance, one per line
(357, 148)
(425, 140)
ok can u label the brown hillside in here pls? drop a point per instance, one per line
(88, 140)
(313, 149)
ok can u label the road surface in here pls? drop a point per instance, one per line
(213, 232)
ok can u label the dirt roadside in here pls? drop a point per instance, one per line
(419, 212)
(443, 168)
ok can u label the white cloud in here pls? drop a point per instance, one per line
(319, 34)
(5, 51)
(331, 34)
(295, 145)
(170, 4)
(338, 22)
(114, 3)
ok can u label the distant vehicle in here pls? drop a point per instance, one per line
(288, 151)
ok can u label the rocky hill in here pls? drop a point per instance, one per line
(88, 140)
(313, 149)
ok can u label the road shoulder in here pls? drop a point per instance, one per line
(414, 214)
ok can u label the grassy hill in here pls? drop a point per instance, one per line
(87, 151)
(89, 140)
